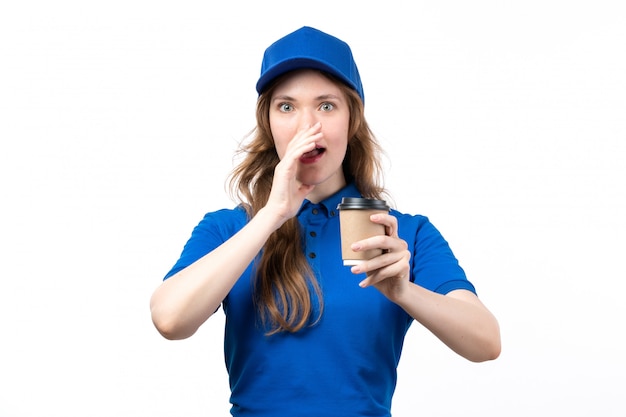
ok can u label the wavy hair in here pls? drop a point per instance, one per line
(286, 290)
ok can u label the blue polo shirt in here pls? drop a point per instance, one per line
(345, 364)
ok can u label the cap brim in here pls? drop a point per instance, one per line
(293, 64)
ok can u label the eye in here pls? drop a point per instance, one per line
(327, 107)
(285, 107)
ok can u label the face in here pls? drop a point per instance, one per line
(303, 99)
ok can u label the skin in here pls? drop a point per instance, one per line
(309, 112)
(300, 106)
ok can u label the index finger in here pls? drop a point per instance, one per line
(387, 220)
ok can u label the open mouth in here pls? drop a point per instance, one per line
(313, 154)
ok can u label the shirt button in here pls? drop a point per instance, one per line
(312, 255)
(312, 234)
(332, 213)
(315, 211)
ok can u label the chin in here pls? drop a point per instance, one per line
(318, 177)
(310, 178)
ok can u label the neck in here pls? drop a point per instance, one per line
(326, 189)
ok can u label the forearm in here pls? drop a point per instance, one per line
(187, 299)
(458, 319)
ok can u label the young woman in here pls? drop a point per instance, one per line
(305, 335)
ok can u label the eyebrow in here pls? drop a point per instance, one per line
(318, 98)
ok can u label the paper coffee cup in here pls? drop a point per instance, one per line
(355, 224)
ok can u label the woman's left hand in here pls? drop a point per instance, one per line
(388, 272)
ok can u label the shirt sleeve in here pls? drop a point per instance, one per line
(213, 230)
(434, 266)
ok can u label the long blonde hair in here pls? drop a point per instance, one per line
(285, 283)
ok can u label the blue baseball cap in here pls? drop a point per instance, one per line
(310, 48)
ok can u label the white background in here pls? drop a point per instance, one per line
(504, 122)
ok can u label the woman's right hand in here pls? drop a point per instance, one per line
(288, 192)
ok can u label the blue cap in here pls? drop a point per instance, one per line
(310, 48)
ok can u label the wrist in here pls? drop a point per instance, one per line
(269, 218)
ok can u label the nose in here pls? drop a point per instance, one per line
(308, 117)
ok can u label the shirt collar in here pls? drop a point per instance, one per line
(331, 203)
